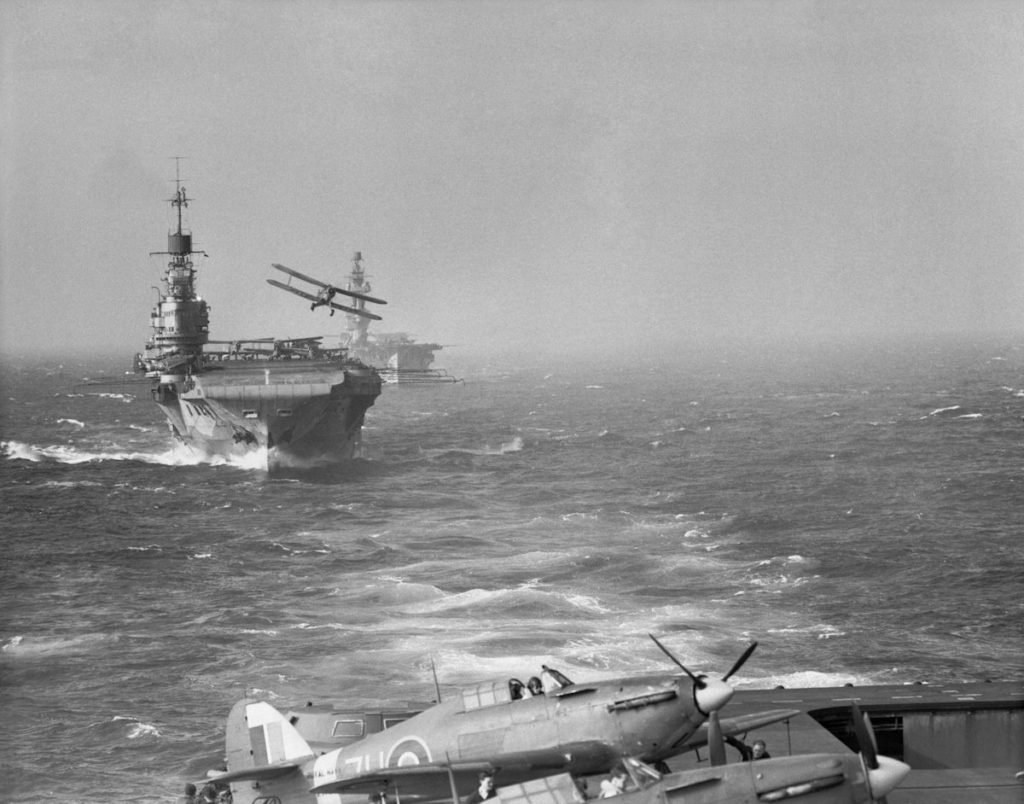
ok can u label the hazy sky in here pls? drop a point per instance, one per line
(518, 173)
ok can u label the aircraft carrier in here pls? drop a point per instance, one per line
(292, 400)
(398, 357)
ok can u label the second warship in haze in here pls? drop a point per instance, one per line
(300, 403)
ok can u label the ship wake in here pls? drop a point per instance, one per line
(177, 455)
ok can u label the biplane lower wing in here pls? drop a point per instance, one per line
(362, 313)
(314, 298)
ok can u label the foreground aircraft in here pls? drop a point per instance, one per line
(846, 778)
(580, 729)
(324, 297)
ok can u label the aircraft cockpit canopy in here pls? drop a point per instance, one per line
(492, 693)
(489, 693)
(552, 679)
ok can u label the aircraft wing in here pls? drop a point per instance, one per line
(739, 725)
(290, 289)
(362, 313)
(297, 275)
(313, 298)
(427, 777)
(354, 294)
(418, 777)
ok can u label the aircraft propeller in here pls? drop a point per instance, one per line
(884, 773)
(708, 694)
(716, 742)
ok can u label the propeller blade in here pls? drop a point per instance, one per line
(865, 737)
(698, 681)
(884, 773)
(740, 661)
(716, 742)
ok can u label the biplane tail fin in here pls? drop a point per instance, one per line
(262, 746)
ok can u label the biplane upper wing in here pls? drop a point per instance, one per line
(297, 275)
(354, 294)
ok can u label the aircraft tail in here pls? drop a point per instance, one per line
(264, 748)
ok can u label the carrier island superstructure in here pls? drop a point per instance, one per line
(297, 402)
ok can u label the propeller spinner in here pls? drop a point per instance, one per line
(709, 694)
(884, 773)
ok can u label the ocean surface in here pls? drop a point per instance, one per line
(857, 509)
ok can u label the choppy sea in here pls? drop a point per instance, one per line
(858, 509)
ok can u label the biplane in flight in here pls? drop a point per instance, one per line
(324, 297)
(565, 727)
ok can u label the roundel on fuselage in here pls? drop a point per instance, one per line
(410, 751)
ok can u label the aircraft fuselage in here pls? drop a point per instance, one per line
(591, 724)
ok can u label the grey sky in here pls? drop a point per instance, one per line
(522, 173)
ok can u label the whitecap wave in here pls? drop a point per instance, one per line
(819, 631)
(295, 551)
(523, 597)
(805, 678)
(505, 448)
(578, 516)
(259, 692)
(136, 728)
(70, 484)
(176, 455)
(21, 646)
